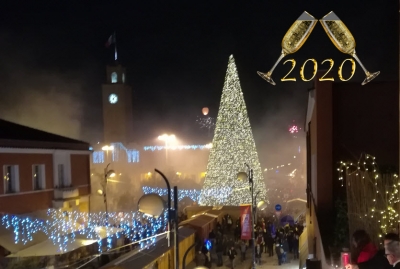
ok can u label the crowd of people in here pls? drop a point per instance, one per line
(226, 240)
(365, 255)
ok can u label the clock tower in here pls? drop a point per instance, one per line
(117, 107)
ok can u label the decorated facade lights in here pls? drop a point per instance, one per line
(177, 147)
(62, 228)
(192, 194)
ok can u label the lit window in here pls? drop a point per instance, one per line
(11, 180)
(38, 175)
(123, 77)
(114, 77)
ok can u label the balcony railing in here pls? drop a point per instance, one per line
(66, 193)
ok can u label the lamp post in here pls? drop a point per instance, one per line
(166, 138)
(249, 177)
(107, 174)
(153, 205)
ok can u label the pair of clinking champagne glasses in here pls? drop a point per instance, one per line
(337, 31)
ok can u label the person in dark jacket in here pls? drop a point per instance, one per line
(220, 250)
(270, 245)
(279, 252)
(392, 252)
(378, 261)
(232, 255)
(295, 246)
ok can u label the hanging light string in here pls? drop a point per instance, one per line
(385, 190)
(63, 227)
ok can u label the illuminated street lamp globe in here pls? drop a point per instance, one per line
(262, 205)
(151, 205)
(242, 176)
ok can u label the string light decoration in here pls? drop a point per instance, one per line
(132, 155)
(180, 147)
(233, 145)
(372, 198)
(192, 194)
(62, 227)
(277, 167)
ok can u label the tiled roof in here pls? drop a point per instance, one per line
(12, 135)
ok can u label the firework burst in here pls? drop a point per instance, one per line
(206, 123)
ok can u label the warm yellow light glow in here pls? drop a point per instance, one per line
(178, 173)
(108, 148)
(112, 174)
(167, 138)
(100, 192)
(149, 174)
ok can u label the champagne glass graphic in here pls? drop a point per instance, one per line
(293, 40)
(343, 40)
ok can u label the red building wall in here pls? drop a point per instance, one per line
(26, 202)
(80, 169)
(25, 162)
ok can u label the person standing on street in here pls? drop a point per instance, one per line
(270, 245)
(258, 254)
(243, 250)
(232, 255)
(219, 249)
(279, 252)
(295, 246)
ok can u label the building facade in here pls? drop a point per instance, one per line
(42, 170)
(343, 121)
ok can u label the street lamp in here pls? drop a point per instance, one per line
(261, 205)
(153, 205)
(166, 138)
(249, 176)
(107, 148)
(107, 174)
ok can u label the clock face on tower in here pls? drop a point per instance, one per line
(113, 98)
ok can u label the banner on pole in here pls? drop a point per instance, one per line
(246, 223)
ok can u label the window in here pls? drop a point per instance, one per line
(11, 180)
(38, 175)
(61, 176)
(98, 156)
(123, 77)
(114, 77)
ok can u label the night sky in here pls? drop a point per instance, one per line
(52, 61)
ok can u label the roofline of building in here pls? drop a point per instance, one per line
(8, 143)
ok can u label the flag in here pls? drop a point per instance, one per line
(245, 214)
(111, 40)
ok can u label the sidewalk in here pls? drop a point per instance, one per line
(266, 262)
(272, 262)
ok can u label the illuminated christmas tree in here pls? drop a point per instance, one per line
(233, 146)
